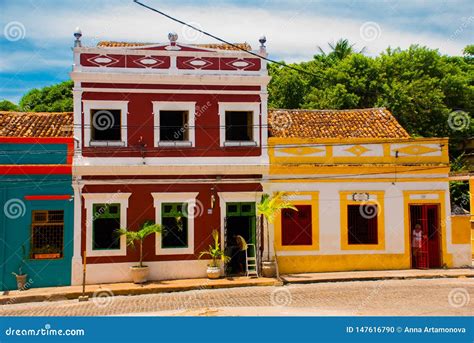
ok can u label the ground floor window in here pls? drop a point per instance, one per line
(175, 225)
(296, 226)
(47, 234)
(106, 221)
(362, 224)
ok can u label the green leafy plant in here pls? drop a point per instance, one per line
(215, 252)
(22, 262)
(134, 237)
(267, 209)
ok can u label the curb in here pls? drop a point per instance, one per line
(375, 278)
(59, 296)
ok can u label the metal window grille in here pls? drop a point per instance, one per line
(47, 234)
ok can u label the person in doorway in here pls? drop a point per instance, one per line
(241, 252)
(416, 243)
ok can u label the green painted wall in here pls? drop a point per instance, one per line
(16, 215)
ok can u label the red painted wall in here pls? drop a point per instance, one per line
(141, 208)
(140, 124)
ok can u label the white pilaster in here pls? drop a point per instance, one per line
(76, 266)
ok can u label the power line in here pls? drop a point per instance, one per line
(222, 40)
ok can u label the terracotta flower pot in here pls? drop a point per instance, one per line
(269, 268)
(140, 274)
(21, 281)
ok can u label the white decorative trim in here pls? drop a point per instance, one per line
(242, 143)
(145, 76)
(190, 199)
(189, 106)
(106, 143)
(104, 105)
(253, 107)
(105, 198)
(77, 100)
(76, 260)
(424, 196)
(117, 168)
(169, 91)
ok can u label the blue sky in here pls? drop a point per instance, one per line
(36, 35)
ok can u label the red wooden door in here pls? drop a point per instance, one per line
(427, 216)
(432, 230)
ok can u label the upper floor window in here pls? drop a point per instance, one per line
(105, 123)
(239, 124)
(174, 126)
(174, 123)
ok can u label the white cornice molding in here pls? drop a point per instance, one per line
(180, 79)
(108, 170)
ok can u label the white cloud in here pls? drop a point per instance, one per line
(291, 34)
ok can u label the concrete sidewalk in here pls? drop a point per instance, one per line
(101, 290)
(377, 275)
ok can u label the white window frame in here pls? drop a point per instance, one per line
(253, 107)
(189, 106)
(158, 200)
(90, 105)
(105, 198)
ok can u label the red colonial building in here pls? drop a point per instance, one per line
(171, 133)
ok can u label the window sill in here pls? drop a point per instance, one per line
(174, 251)
(240, 143)
(106, 143)
(114, 252)
(177, 144)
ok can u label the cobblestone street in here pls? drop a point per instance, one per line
(390, 297)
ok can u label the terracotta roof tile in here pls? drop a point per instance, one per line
(36, 124)
(354, 123)
(218, 46)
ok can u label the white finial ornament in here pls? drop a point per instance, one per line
(173, 37)
(77, 35)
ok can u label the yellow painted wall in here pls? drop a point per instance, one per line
(331, 263)
(471, 191)
(472, 240)
(461, 229)
(377, 260)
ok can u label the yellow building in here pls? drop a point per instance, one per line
(362, 186)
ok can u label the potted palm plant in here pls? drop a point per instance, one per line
(20, 276)
(217, 255)
(140, 272)
(267, 209)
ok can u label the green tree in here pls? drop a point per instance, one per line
(6, 105)
(339, 51)
(134, 237)
(268, 208)
(55, 98)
